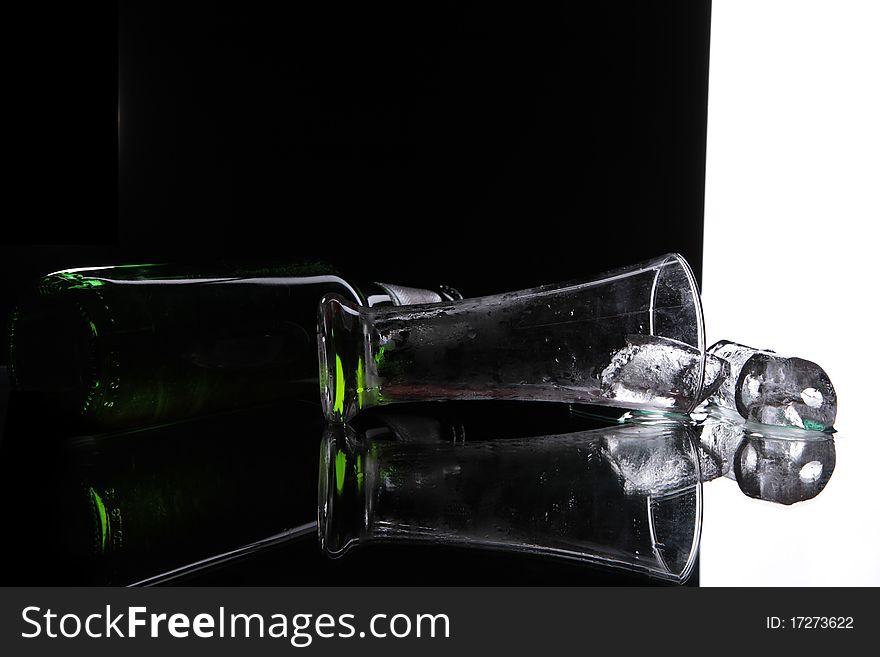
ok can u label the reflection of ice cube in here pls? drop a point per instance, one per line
(721, 432)
(786, 392)
(652, 371)
(655, 467)
(773, 463)
(784, 470)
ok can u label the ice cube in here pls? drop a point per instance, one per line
(786, 392)
(736, 356)
(652, 372)
(716, 373)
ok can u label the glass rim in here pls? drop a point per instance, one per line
(681, 262)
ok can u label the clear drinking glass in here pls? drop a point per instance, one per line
(631, 337)
(626, 497)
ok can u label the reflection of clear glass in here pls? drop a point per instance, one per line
(776, 464)
(632, 337)
(625, 497)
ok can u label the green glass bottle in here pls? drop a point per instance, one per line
(137, 345)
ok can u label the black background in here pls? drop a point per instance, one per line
(491, 148)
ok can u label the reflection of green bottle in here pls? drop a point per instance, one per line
(142, 344)
(121, 508)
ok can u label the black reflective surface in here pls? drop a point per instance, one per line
(123, 508)
(233, 498)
